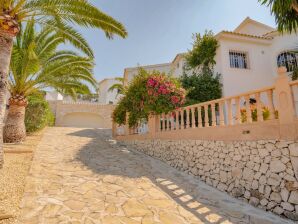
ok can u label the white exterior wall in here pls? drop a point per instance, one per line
(132, 72)
(105, 96)
(254, 29)
(235, 80)
(53, 96)
(178, 68)
(262, 58)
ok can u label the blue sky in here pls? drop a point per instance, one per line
(159, 29)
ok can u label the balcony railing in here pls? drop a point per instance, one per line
(267, 113)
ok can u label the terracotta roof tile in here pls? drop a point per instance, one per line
(247, 35)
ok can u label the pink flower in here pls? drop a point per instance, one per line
(175, 99)
(150, 92)
(151, 82)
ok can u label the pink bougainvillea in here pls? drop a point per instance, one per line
(159, 86)
(149, 93)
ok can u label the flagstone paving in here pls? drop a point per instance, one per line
(81, 176)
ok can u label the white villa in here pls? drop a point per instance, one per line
(247, 57)
(106, 96)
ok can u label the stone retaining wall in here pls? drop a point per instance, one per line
(261, 172)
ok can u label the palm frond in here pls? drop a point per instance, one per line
(36, 63)
(78, 12)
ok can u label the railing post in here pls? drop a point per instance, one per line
(187, 118)
(285, 105)
(200, 121)
(206, 115)
(193, 117)
(248, 109)
(213, 114)
(221, 114)
(230, 112)
(259, 108)
(270, 104)
(152, 125)
(238, 111)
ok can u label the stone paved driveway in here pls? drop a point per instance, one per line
(81, 176)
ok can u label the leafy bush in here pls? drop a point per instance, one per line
(294, 75)
(201, 87)
(148, 93)
(203, 52)
(38, 114)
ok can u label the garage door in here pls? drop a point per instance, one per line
(83, 120)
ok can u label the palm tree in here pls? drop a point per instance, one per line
(35, 65)
(58, 14)
(286, 13)
(118, 86)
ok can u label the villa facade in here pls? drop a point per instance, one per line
(106, 96)
(247, 58)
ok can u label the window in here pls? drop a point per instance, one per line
(288, 60)
(238, 60)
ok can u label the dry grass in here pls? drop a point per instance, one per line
(17, 161)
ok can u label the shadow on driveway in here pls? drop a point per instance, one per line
(104, 156)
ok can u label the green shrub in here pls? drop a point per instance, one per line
(201, 87)
(203, 52)
(38, 114)
(295, 74)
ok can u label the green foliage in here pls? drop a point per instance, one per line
(201, 87)
(148, 93)
(118, 86)
(285, 12)
(294, 75)
(58, 14)
(203, 52)
(37, 64)
(38, 114)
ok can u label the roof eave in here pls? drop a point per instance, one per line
(242, 37)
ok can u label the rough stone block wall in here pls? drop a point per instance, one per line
(259, 172)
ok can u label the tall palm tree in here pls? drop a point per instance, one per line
(118, 86)
(35, 65)
(285, 12)
(58, 14)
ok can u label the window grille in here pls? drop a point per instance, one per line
(288, 60)
(238, 60)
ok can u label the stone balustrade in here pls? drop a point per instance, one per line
(267, 113)
(222, 112)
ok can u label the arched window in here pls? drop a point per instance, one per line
(288, 60)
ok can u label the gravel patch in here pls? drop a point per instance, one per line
(17, 161)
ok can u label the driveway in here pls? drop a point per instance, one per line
(82, 176)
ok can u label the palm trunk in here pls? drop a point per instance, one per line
(295, 6)
(6, 43)
(14, 129)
